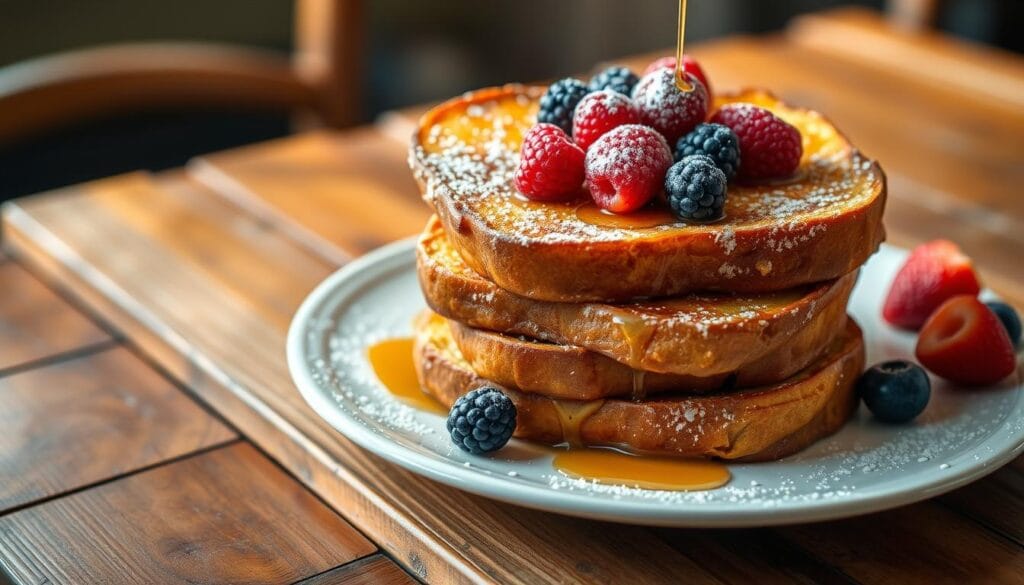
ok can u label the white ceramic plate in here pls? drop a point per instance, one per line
(867, 466)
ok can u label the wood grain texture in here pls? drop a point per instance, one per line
(85, 420)
(35, 323)
(119, 243)
(375, 570)
(354, 187)
(995, 77)
(924, 543)
(226, 516)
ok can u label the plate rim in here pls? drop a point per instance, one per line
(396, 255)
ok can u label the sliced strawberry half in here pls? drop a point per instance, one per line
(964, 342)
(933, 273)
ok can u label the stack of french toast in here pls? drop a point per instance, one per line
(725, 339)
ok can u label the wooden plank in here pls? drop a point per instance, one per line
(753, 556)
(35, 323)
(945, 63)
(121, 258)
(375, 570)
(89, 419)
(997, 502)
(353, 186)
(924, 543)
(226, 516)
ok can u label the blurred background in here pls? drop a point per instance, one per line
(398, 53)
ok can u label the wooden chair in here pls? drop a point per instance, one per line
(913, 14)
(321, 79)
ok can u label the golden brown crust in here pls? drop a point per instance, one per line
(758, 424)
(542, 251)
(574, 373)
(699, 335)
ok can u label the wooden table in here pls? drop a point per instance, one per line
(151, 432)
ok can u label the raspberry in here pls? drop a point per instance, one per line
(690, 66)
(696, 189)
(626, 167)
(598, 113)
(482, 421)
(770, 147)
(550, 165)
(618, 79)
(559, 101)
(667, 109)
(715, 141)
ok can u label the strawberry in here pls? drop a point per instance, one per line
(964, 342)
(933, 273)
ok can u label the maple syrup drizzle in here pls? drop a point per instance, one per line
(647, 217)
(393, 363)
(681, 81)
(616, 467)
(571, 415)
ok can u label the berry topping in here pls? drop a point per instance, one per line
(1009, 318)
(715, 141)
(964, 342)
(895, 391)
(482, 421)
(618, 79)
(598, 113)
(666, 108)
(559, 102)
(770, 147)
(696, 187)
(550, 165)
(690, 66)
(626, 167)
(934, 272)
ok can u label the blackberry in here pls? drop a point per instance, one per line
(716, 141)
(558, 103)
(482, 421)
(618, 79)
(696, 189)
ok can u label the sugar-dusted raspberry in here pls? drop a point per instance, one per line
(600, 112)
(550, 165)
(769, 147)
(666, 108)
(625, 168)
(690, 65)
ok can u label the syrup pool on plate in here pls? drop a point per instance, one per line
(653, 472)
(392, 362)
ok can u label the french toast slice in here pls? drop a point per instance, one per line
(819, 225)
(699, 335)
(757, 424)
(574, 373)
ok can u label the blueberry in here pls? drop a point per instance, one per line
(895, 391)
(1010, 319)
